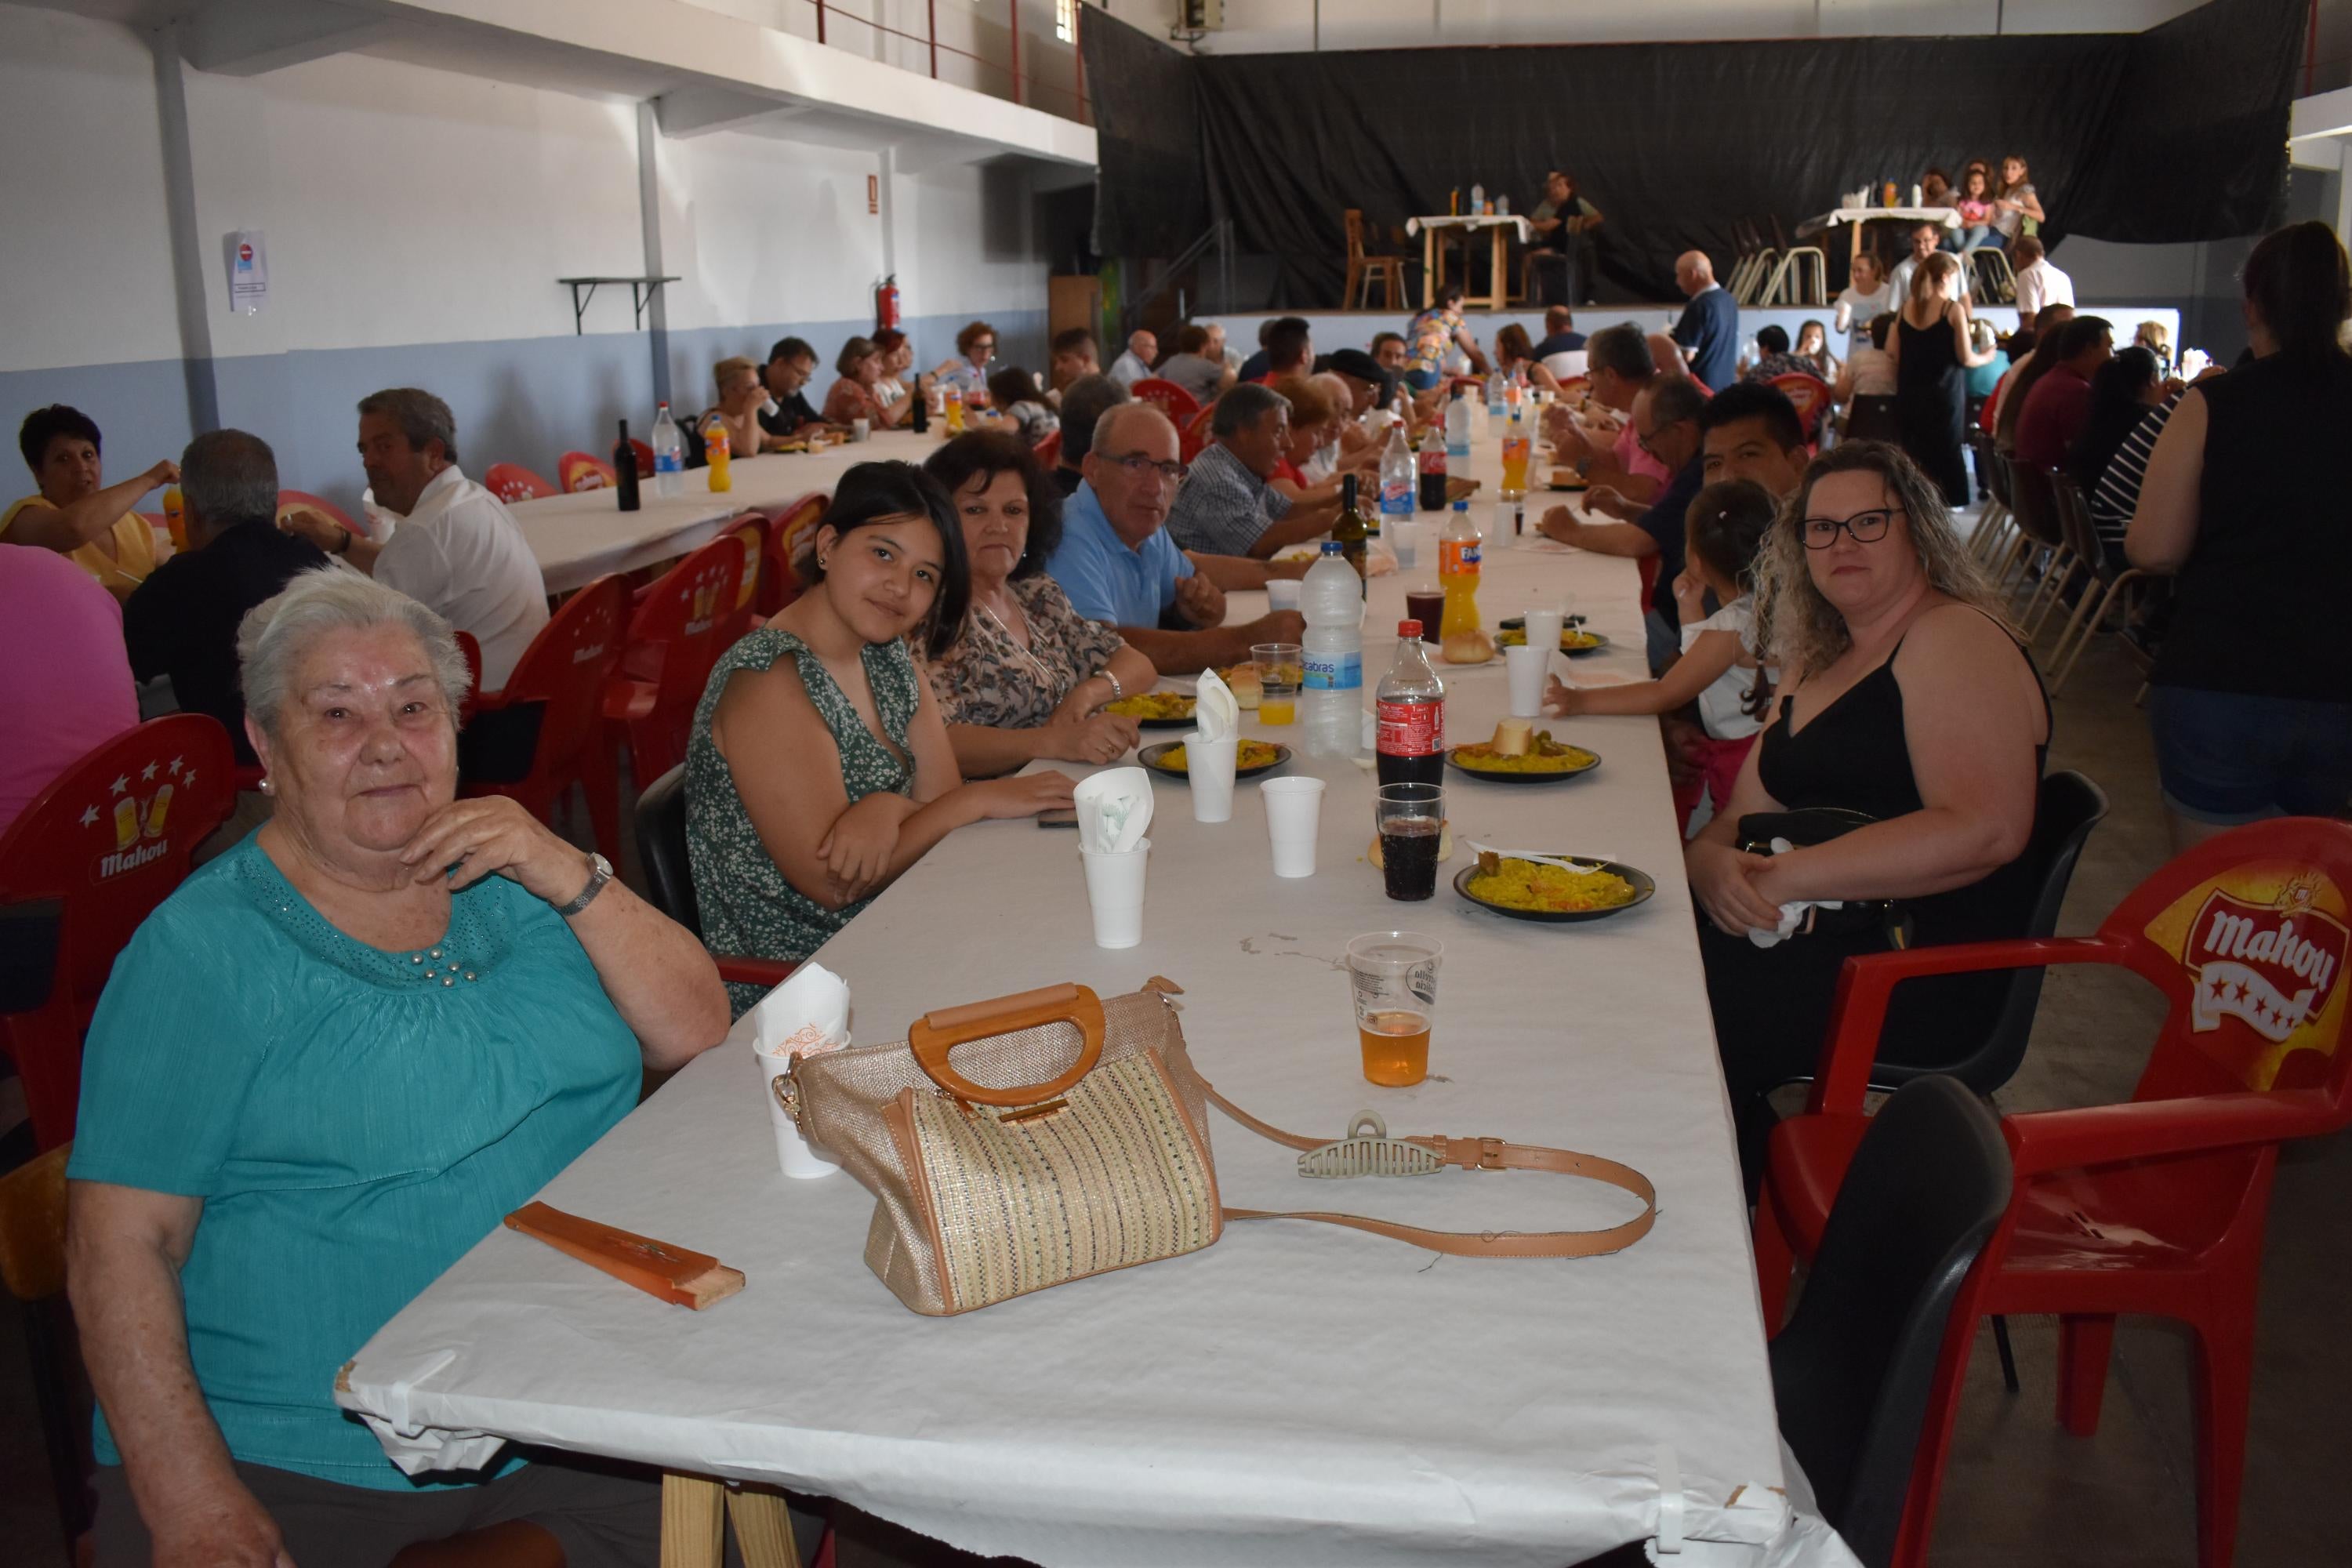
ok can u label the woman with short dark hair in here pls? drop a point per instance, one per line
(968, 373)
(2251, 699)
(819, 767)
(75, 512)
(1027, 678)
(854, 397)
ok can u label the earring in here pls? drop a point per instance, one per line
(268, 785)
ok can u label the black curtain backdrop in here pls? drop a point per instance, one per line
(2178, 133)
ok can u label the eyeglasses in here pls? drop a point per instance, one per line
(985, 346)
(1649, 443)
(1140, 467)
(1863, 527)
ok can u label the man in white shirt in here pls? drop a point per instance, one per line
(1925, 239)
(1135, 364)
(455, 548)
(2039, 283)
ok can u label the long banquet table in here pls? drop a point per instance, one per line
(579, 538)
(1296, 1395)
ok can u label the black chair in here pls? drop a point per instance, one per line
(669, 876)
(2069, 806)
(661, 845)
(1853, 1370)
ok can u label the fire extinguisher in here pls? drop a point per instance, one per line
(886, 303)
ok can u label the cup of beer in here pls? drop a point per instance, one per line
(175, 516)
(1393, 974)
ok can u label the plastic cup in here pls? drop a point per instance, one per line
(1115, 893)
(1393, 977)
(860, 428)
(1543, 629)
(1410, 818)
(1528, 664)
(1209, 765)
(1404, 542)
(794, 1153)
(1282, 593)
(1280, 668)
(1293, 813)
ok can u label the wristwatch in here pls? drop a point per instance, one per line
(600, 871)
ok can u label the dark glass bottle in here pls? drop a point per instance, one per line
(1351, 531)
(624, 472)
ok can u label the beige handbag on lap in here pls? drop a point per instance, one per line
(1070, 1137)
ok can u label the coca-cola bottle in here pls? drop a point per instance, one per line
(1411, 704)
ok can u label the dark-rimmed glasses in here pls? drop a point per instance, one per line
(1140, 467)
(1863, 527)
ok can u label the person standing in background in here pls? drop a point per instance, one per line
(75, 512)
(1926, 238)
(2251, 696)
(2038, 281)
(1867, 297)
(1708, 332)
(1932, 351)
(2013, 201)
(57, 621)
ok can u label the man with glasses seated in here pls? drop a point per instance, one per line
(1665, 426)
(1116, 563)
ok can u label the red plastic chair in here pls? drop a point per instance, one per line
(565, 669)
(681, 625)
(790, 527)
(752, 528)
(1810, 393)
(578, 471)
(644, 451)
(1196, 434)
(296, 501)
(2155, 1207)
(1179, 405)
(105, 843)
(512, 482)
(1048, 452)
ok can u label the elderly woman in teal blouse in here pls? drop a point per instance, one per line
(322, 1070)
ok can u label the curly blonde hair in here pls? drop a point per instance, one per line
(1801, 628)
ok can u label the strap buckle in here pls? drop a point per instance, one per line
(1475, 1153)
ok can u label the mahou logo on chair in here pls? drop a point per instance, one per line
(132, 823)
(2262, 946)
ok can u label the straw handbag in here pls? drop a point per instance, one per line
(1071, 1138)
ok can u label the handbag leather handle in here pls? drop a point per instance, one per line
(934, 1035)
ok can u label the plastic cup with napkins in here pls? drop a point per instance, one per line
(1114, 809)
(1213, 749)
(806, 1016)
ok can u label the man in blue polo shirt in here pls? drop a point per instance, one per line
(1708, 331)
(1117, 564)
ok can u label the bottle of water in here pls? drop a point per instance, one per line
(1497, 390)
(1398, 477)
(1331, 698)
(1477, 199)
(1457, 427)
(669, 453)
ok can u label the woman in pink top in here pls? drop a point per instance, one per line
(68, 684)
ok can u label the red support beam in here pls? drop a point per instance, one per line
(931, 23)
(1013, 12)
(820, 21)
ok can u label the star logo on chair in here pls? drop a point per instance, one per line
(89, 814)
(148, 773)
(189, 777)
(175, 764)
(121, 783)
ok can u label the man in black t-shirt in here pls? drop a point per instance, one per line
(789, 365)
(1667, 422)
(181, 622)
(1558, 336)
(1567, 253)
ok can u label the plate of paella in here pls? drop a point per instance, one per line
(1533, 891)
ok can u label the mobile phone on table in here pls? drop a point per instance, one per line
(1067, 816)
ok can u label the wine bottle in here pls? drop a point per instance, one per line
(1351, 531)
(624, 471)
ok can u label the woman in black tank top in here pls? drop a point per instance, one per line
(1910, 703)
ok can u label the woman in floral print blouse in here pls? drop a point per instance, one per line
(1027, 678)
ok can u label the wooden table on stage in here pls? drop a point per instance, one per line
(1859, 218)
(1433, 232)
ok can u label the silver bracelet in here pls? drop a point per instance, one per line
(1118, 692)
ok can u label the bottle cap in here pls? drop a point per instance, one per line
(1409, 629)
(1333, 547)
(1462, 505)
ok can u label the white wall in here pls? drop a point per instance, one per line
(416, 223)
(1260, 25)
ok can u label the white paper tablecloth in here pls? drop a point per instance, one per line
(1948, 217)
(1517, 222)
(580, 538)
(1297, 1395)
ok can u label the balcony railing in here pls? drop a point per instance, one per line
(1002, 77)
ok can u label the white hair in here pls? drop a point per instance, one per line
(279, 633)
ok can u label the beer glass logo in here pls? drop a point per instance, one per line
(704, 594)
(135, 817)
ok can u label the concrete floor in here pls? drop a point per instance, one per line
(2019, 1489)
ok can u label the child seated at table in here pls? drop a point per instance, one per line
(1718, 669)
(1014, 393)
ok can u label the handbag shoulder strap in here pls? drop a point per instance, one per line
(1478, 1154)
